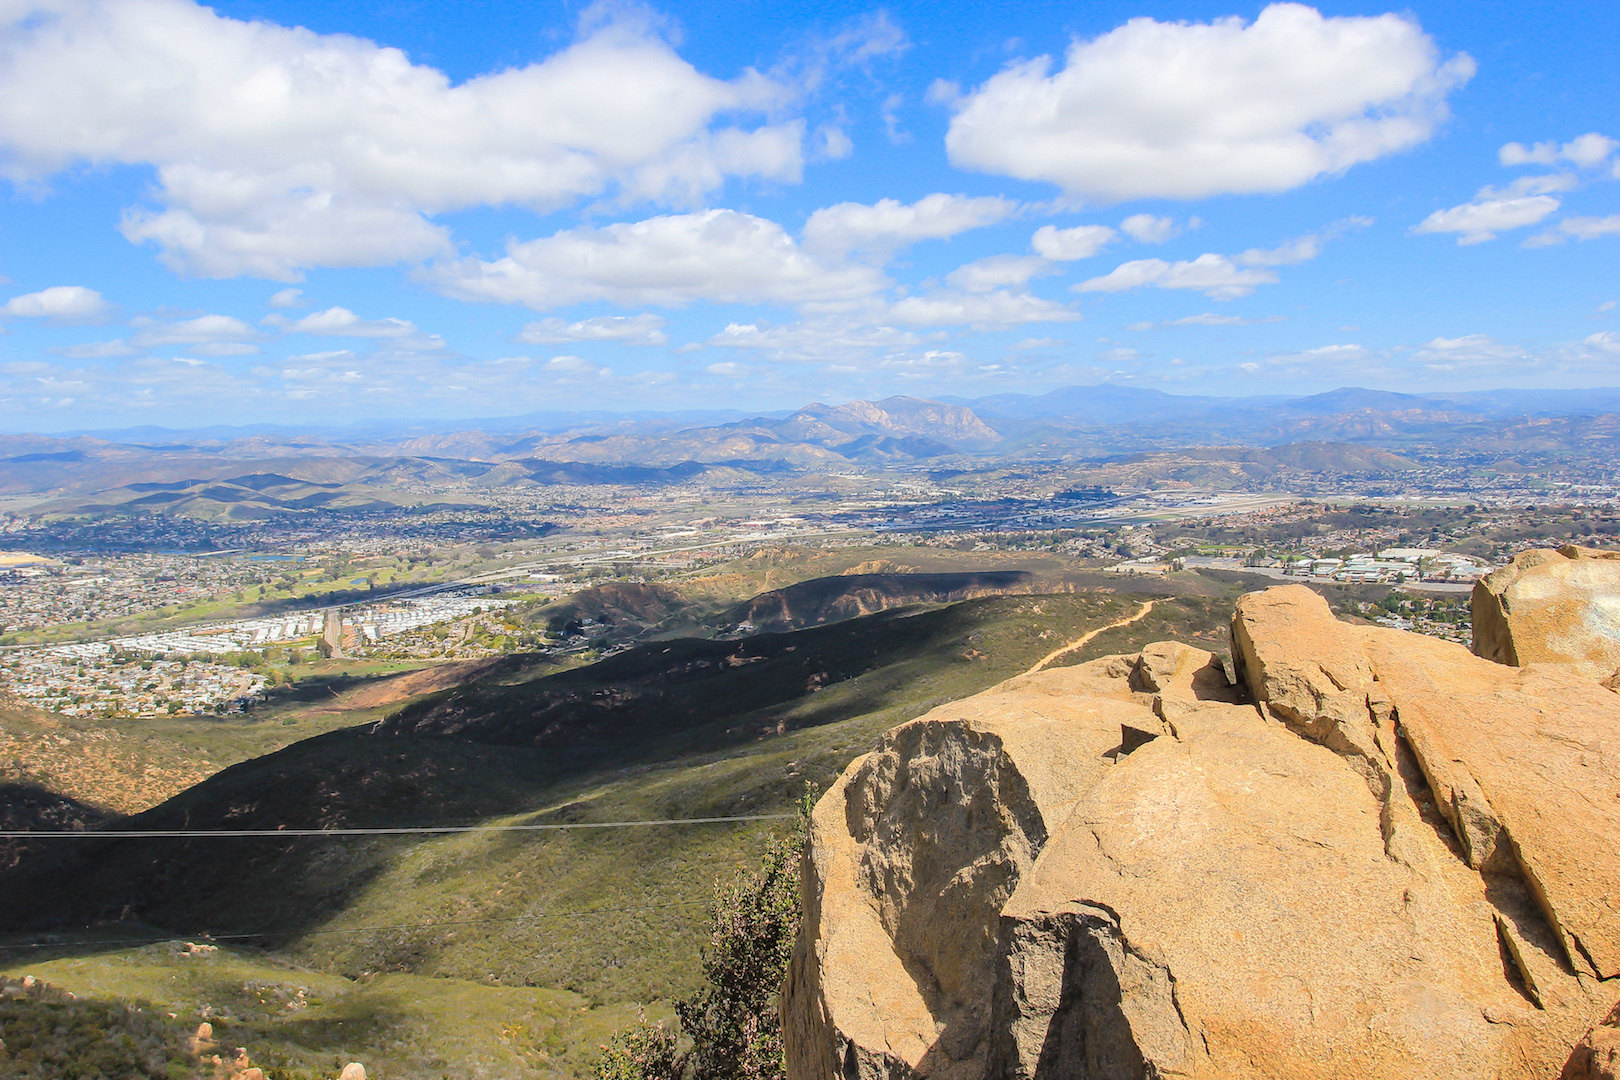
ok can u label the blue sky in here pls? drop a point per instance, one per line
(299, 212)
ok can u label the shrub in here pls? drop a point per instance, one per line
(732, 1019)
(647, 1052)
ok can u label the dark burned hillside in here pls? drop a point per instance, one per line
(829, 599)
(671, 729)
(628, 607)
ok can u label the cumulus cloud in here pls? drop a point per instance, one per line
(988, 310)
(890, 224)
(1590, 228)
(1607, 340)
(278, 149)
(341, 322)
(1209, 318)
(1189, 110)
(1301, 248)
(95, 350)
(1587, 151)
(1148, 229)
(287, 298)
(59, 303)
(832, 144)
(1469, 352)
(645, 329)
(1524, 202)
(997, 272)
(816, 340)
(1067, 245)
(202, 330)
(1580, 228)
(1215, 276)
(576, 366)
(717, 255)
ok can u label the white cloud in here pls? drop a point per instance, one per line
(1188, 110)
(997, 272)
(278, 149)
(203, 330)
(816, 340)
(1211, 319)
(1586, 151)
(1302, 248)
(889, 224)
(1469, 352)
(577, 366)
(341, 322)
(1590, 228)
(93, 350)
(832, 144)
(1215, 276)
(990, 310)
(716, 255)
(1524, 202)
(1148, 229)
(729, 369)
(287, 298)
(1067, 245)
(1288, 253)
(1606, 340)
(645, 329)
(59, 303)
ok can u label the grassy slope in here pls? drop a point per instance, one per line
(301, 1023)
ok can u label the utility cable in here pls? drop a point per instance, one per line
(120, 942)
(423, 830)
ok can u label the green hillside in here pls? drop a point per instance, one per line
(671, 729)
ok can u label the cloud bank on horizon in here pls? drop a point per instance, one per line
(270, 221)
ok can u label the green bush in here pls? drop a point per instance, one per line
(732, 1019)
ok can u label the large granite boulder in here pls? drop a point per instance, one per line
(1400, 860)
(1559, 607)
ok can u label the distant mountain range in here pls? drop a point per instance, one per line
(251, 472)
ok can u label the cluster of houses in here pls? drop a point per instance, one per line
(1392, 566)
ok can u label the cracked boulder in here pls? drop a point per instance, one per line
(1398, 861)
(1560, 607)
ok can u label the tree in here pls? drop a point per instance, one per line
(732, 1018)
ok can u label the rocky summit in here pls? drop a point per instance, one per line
(1346, 852)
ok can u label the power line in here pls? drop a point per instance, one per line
(423, 830)
(369, 929)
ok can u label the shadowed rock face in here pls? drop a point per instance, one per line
(1400, 861)
(1559, 607)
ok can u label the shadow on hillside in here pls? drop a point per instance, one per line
(492, 749)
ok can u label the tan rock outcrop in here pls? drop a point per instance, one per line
(912, 855)
(1402, 861)
(1523, 763)
(1560, 607)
